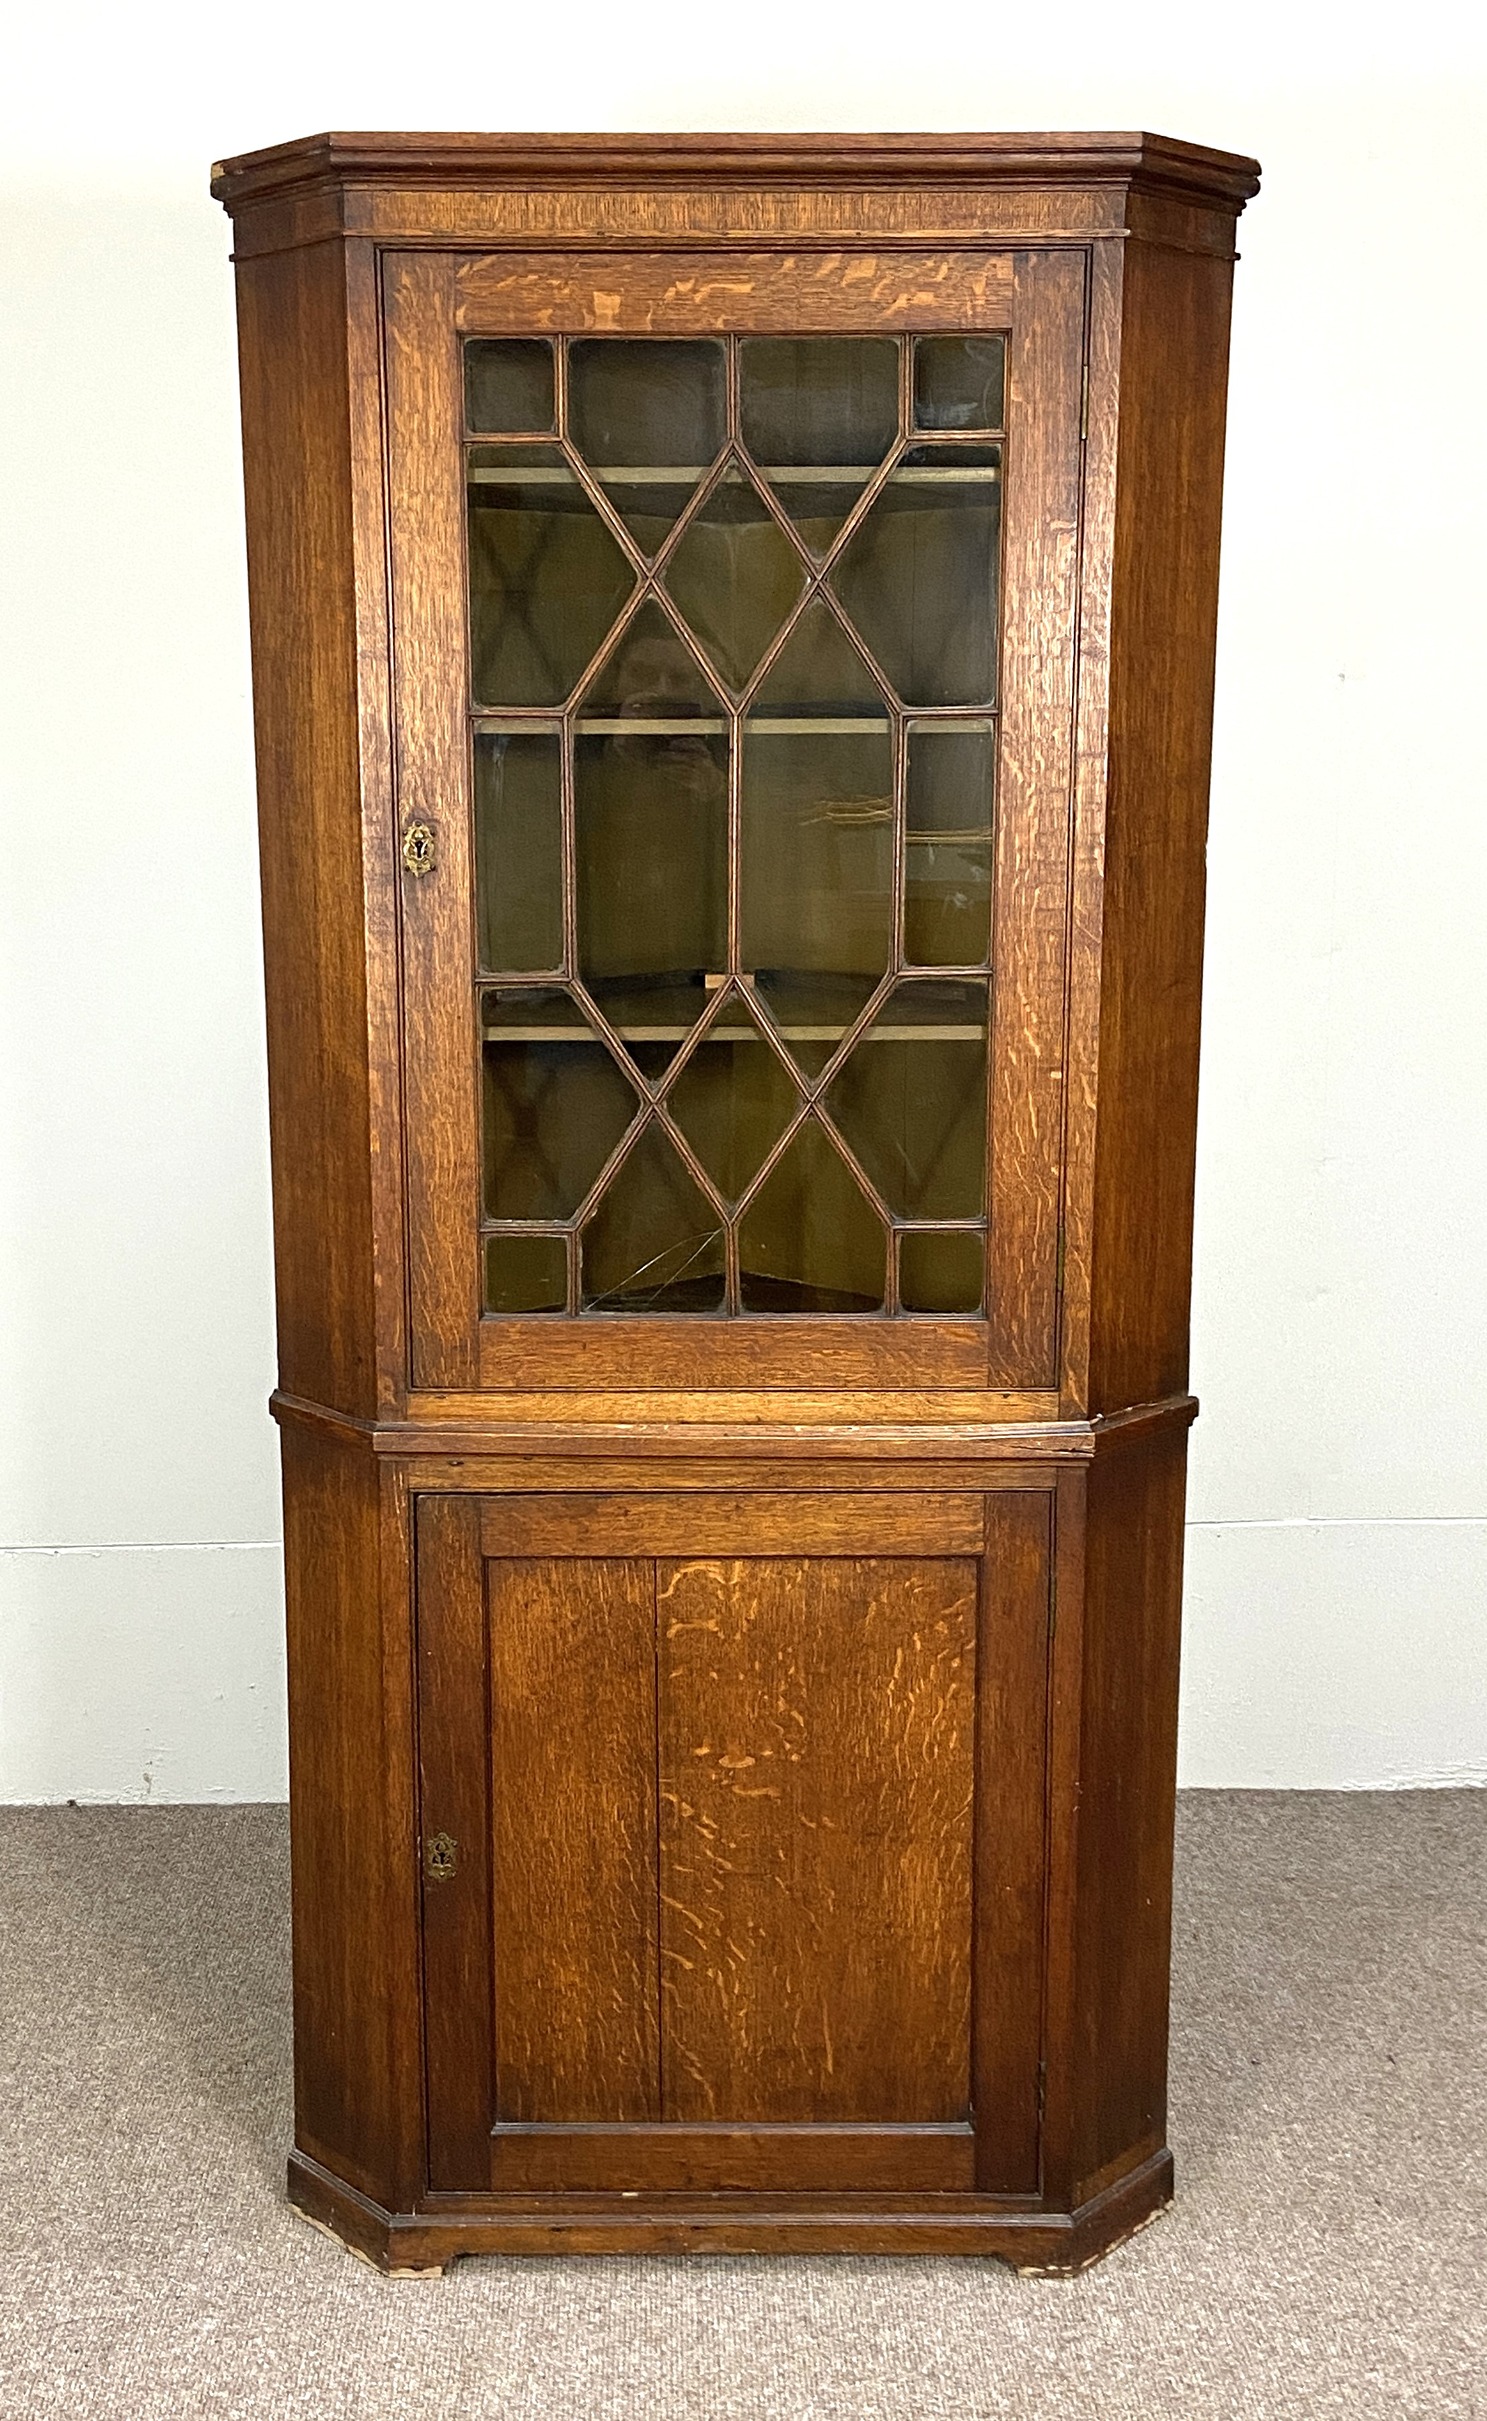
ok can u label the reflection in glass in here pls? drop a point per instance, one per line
(939, 1272)
(822, 405)
(947, 855)
(647, 401)
(816, 876)
(735, 576)
(508, 384)
(654, 1244)
(526, 1273)
(649, 417)
(651, 817)
(911, 1100)
(809, 1241)
(959, 382)
(650, 675)
(555, 1104)
(733, 1100)
(919, 578)
(818, 399)
(819, 672)
(519, 850)
(546, 577)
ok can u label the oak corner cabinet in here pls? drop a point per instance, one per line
(733, 634)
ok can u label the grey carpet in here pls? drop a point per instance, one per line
(1327, 2254)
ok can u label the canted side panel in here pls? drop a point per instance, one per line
(1164, 603)
(573, 1838)
(817, 1744)
(298, 473)
(1127, 1798)
(354, 1968)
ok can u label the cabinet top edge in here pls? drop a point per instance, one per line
(1152, 162)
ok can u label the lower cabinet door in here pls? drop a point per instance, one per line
(733, 1840)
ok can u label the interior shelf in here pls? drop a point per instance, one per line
(791, 1033)
(779, 474)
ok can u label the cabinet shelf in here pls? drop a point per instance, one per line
(779, 474)
(791, 1033)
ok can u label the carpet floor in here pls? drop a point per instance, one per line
(1327, 2254)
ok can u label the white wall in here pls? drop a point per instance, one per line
(1338, 1557)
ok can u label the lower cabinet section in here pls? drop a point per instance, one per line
(733, 1813)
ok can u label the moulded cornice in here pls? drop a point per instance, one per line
(1148, 162)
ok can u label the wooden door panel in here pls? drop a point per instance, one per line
(573, 1838)
(816, 1803)
(749, 1886)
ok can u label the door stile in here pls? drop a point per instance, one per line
(454, 1839)
(431, 753)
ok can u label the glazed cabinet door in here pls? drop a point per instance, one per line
(733, 1817)
(734, 619)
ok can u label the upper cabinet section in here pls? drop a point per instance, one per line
(733, 625)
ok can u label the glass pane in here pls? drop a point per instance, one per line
(647, 402)
(911, 1100)
(810, 1241)
(653, 1244)
(546, 577)
(519, 850)
(651, 815)
(817, 876)
(526, 1273)
(947, 867)
(810, 404)
(733, 1100)
(940, 1272)
(650, 674)
(818, 414)
(508, 384)
(919, 579)
(959, 382)
(735, 576)
(556, 1104)
(818, 672)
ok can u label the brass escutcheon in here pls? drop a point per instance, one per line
(439, 1855)
(418, 848)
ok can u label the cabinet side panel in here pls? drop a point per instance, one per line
(1127, 1798)
(292, 323)
(353, 1898)
(1173, 369)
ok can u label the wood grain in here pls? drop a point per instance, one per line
(1127, 1801)
(816, 1758)
(604, 1355)
(1164, 610)
(670, 2159)
(440, 1052)
(573, 1832)
(1035, 776)
(1011, 1844)
(301, 493)
(454, 1798)
(732, 1524)
(757, 293)
(351, 1875)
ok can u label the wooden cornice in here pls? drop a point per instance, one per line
(1155, 164)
